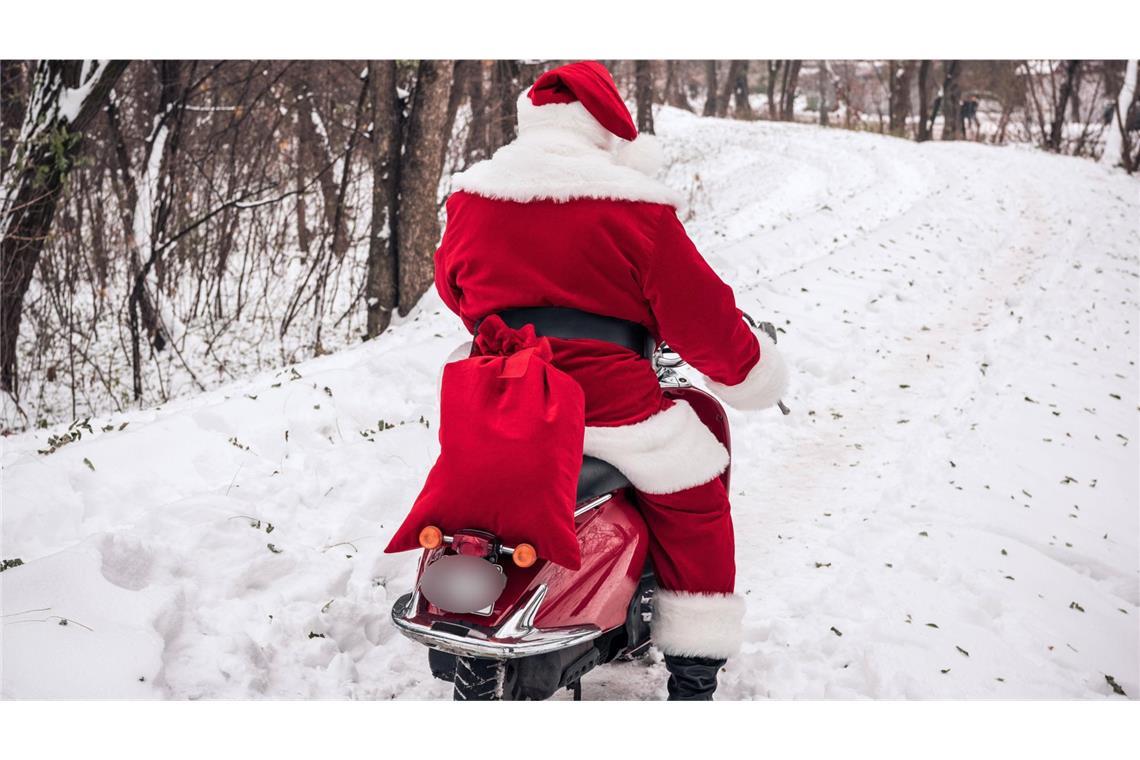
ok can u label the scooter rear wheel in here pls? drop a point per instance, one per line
(480, 679)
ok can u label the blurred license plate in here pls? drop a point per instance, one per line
(463, 585)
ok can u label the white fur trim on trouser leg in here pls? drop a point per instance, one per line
(697, 625)
(766, 383)
(666, 453)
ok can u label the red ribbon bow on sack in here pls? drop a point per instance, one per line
(495, 338)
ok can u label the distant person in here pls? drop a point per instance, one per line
(1108, 113)
(969, 115)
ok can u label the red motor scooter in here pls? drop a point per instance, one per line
(546, 626)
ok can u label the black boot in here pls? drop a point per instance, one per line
(692, 678)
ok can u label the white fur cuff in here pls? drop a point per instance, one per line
(697, 625)
(766, 383)
(669, 452)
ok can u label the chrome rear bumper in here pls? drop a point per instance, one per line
(516, 637)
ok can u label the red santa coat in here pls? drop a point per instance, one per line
(560, 218)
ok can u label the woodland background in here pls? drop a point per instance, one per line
(172, 225)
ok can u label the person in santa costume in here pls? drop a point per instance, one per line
(569, 215)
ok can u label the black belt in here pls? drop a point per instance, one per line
(561, 322)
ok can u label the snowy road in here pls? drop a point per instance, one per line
(951, 510)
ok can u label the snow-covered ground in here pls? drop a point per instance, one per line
(951, 510)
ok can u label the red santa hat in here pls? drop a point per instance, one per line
(588, 83)
(586, 88)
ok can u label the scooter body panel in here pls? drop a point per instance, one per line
(614, 549)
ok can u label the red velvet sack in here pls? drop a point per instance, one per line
(511, 431)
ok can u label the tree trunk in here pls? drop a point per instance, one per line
(788, 95)
(923, 100)
(1117, 141)
(304, 234)
(417, 226)
(826, 93)
(1056, 129)
(710, 108)
(1029, 79)
(476, 147)
(725, 98)
(34, 182)
(460, 73)
(773, 72)
(643, 84)
(153, 192)
(381, 289)
(674, 87)
(901, 73)
(13, 91)
(741, 108)
(1075, 95)
(503, 122)
(322, 154)
(951, 100)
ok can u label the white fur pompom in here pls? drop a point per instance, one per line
(643, 154)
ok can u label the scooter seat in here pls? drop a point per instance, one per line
(598, 478)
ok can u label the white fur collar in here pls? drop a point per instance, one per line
(562, 153)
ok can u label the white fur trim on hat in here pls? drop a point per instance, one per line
(697, 625)
(566, 117)
(563, 153)
(666, 453)
(765, 384)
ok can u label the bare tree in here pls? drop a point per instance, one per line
(381, 290)
(741, 108)
(1072, 68)
(503, 111)
(421, 164)
(951, 100)
(13, 76)
(674, 86)
(826, 92)
(65, 97)
(643, 78)
(788, 90)
(773, 68)
(901, 73)
(724, 100)
(711, 104)
(1121, 146)
(925, 124)
(475, 148)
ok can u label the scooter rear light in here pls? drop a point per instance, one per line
(473, 545)
(431, 537)
(524, 555)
